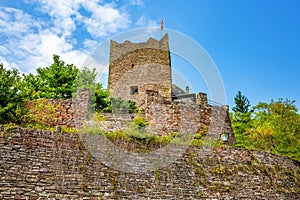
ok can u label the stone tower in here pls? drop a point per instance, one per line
(135, 68)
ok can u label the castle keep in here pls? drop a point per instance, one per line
(136, 68)
(142, 72)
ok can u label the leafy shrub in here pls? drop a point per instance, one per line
(40, 112)
(140, 121)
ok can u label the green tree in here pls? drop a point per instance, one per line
(241, 117)
(102, 100)
(57, 80)
(31, 87)
(274, 127)
(242, 103)
(277, 128)
(118, 105)
(86, 79)
(105, 103)
(11, 97)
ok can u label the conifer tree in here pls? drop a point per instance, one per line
(242, 103)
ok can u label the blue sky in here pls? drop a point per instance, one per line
(254, 44)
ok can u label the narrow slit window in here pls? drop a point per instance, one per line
(134, 90)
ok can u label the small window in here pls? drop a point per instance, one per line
(134, 90)
(132, 66)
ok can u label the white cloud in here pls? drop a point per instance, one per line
(5, 63)
(15, 22)
(62, 14)
(4, 50)
(101, 69)
(9, 65)
(136, 2)
(25, 45)
(104, 19)
(99, 19)
(90, 44)
(29, 39)
(45, 45)
(143, 21)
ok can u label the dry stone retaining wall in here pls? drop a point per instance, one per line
(37, 164)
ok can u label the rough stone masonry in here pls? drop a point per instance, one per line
(38, 164)
(142, 72)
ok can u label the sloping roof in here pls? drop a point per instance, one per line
(177, 90)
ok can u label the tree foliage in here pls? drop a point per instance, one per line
(118, 105)
(85, 79)
(242, 103)
(277, 125)
(106, 103)
(241, 117)
(57, 80)
(31, 86)
(11, 97)
(102, 100)
(39, 113)
(273, 127)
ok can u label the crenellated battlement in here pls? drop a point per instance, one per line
(117, 50)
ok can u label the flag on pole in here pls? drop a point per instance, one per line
(162, 24)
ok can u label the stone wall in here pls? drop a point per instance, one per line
(37, 164)
(81, 107)
(186, 117)
(114, 121)
(165, 117)
(141, 65)
(201, 98)
(61, 112)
